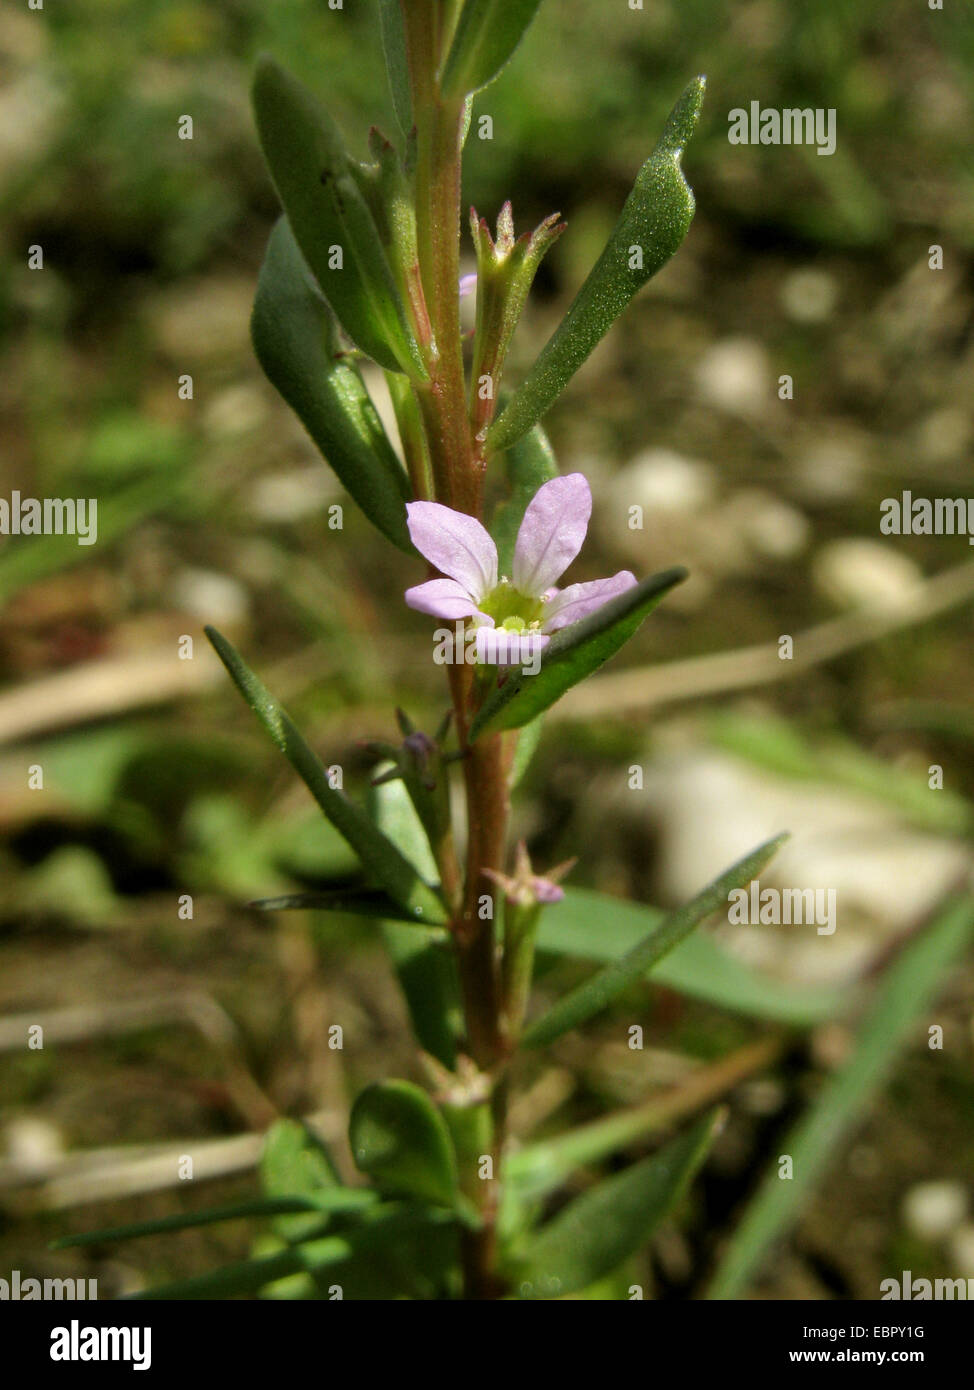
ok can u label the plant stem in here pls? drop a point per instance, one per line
(487, 807)
(439, 129)
(485, 770)
(457, 480)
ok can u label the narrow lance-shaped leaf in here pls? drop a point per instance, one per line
(598, 992)
(402, 1142)
(605, 1225)
(397, 63)
(426, 970)
(571, 655)
(651, 226)
(249, 1276)
(296, 345)
(700, 967)
(357, 902)
(324, 1203)
(487, 33)
(379, 856)
(530, 463)
(902, 998)
(330, 219)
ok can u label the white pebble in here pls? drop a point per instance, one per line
(734, 374)
(809, 295)
(215, 598)
(300, 492)
(933, 1210)
(661, 480)
(858, 573)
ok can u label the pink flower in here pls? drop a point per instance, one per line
(513, 617)
(527, 889)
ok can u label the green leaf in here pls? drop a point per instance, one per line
(397, 63)
(426, 969)
(358, 902)
(487, 33)
(571, 655)
(530, 463)
(595, 994)
(597, 927)
(325, 207)
(294, 337)
(655, 218)
(528, 739)
(403, 1250)
(393, 1250)
(380, 858)
(604, 1226)
(902, 998)
(427, 976)
(342, 1199)
(538, 1169)
(294, 1163)
(250, 1276)
(402, 1142)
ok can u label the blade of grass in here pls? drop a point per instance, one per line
(903, 995)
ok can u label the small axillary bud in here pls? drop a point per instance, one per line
(506, 267)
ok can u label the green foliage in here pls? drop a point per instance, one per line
(426, 970)
(605, 1225)
(402, 1142)
(651, 227)
(362, 902)
(326, 210)
(317, 1206)
(397, 63)
(487, 33)
(245, 1277)
(297, 346)
(294, 1163)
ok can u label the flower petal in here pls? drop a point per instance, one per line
(578, 600)
(545, 891)
(497, 646)
(443, 598)
(551, 533)
(456, 544)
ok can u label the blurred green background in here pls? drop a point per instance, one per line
(189, 1033)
